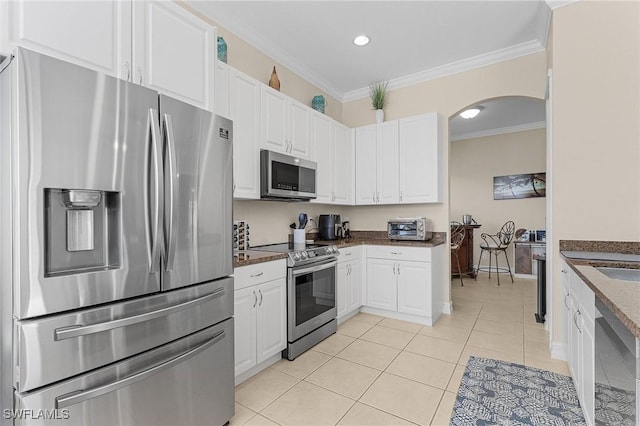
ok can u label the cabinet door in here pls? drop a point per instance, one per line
(342, 164)
(419, 166)
(300, 131)
(244, 106)
(93, 34)
(343, 288)
(274, 121)
(365, 141)
(414, 288)
(173, 52)
(321, 134)
(381, 284)
(272, 319)
(355, 278)
(588, 370)
(387, 164)
(221, 83)
(244, 305)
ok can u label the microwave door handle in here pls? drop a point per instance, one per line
(77, 397)
(156, 218)
(172, 217)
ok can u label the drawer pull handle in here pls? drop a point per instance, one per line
(396, 252)
(257, 275)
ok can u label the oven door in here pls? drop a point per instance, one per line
(311, 298)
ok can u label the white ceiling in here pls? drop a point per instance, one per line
(501, 115)
(411, 41)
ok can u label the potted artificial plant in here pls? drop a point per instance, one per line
(378, 93)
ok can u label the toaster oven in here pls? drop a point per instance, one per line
(414, 229)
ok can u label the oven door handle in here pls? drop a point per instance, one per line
(315, 268)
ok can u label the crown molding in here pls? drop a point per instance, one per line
(274, 52)
(479, 61)
(554, 4)
(543, 23)
(500, 131)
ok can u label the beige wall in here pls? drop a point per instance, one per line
(473, 164)
(246, 58)
(596, 127)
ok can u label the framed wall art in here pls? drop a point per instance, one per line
(530, 185)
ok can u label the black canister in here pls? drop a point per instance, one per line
(327, 224)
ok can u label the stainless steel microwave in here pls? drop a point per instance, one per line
(286, 177)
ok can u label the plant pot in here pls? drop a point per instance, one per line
(379, 116)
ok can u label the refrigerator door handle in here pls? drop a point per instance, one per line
(156, 154)
(77, 397)
(171, 148)
(83, 330)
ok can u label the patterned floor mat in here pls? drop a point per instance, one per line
(496, 392)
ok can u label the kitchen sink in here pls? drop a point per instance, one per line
(621, 273)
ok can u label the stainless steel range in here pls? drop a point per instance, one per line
(311, 294)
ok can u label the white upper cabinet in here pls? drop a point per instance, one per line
(157, 44)
(244, 110)
(285, 125)
(300, 130)
(222, 90)
(377, 164)
(387, 163)
(93, 34)
(274, 120)
(173, 52)
(322, 139)
(420, 143)
(333, 146)
(343, 173)
(365, 148)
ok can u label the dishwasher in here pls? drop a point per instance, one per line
(616, 370)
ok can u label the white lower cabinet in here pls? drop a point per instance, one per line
(349, 281)
(579, 308)
(405, 281)
(260, 303)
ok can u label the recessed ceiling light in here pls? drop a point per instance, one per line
(361, 40)
(471, 112)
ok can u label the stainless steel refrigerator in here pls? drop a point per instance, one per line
(116, 302)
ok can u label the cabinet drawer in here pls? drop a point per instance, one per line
(350, 253)
(247, 276)
(417, 254)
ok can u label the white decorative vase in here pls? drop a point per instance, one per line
(379, 116)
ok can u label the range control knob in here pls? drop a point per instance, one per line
(296, 256)
(304, 254)
(332, 249)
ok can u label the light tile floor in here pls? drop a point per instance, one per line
(380, 371)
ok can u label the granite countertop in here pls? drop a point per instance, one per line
(620, 296)
(380, 238)
(251, 257)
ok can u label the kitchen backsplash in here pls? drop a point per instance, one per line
(270, 220)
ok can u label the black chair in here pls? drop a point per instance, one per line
(456, 242)
(494, 244)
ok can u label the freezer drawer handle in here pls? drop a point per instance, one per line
(77, 397)
(83, 330)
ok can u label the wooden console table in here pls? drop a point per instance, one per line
(465, 254)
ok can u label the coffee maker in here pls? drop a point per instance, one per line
(329, 227)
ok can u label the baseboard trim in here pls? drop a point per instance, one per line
(559, 351)
(258, 368)
(447, 308)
